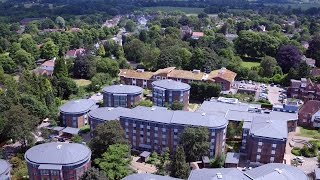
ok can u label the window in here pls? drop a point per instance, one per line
(271, 159)
(213, 133)
(260, 143)
(274, 145)
(259, 150)
(273, 152)
(44, 172)
(258, 157)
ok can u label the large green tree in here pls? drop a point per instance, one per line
(314, 49)
(179, 167)
(267, 66)
(24, 59)
(115, 161)
(49, 50)
(94, 174)
(105, 135)
(195, 142)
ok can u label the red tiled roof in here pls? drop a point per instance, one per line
(310, 107)
(49, 63)
(164, 71)
(315, 72)
(224, 74)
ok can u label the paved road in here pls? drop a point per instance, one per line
(142, 167)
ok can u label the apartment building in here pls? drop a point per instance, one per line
(121, 95)
(53, 161)
(144, 79)
(156, 128)
(74, 112)
(304, 89)
(167, 91)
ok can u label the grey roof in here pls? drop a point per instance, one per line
(56, 128)
(317, 173)
(276, 171)
(162, 115)
(58, 154)
(171, 84)
(199, 119)
(108, 113)
(77, 106)
(211, 174)
(237, 115)
(214, 106)
(144, 176)
(232, 158)
(246, 125)
(50, 166)
(122, 89)
(71, 130)
(264, 127)
(205, 159)
(4, 166)
(145, 154)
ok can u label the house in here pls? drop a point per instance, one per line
(197, 35)
(231, 37)
(311, 62)
(75, 52)
(112, 22)
(232, 160)
(308, 113)
(75, 30)
(144, 79)
(304, 89)
(186, 31)
(315, 72)
(262, 28)
(46, 68)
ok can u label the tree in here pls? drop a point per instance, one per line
(134, 50)
(31, 28)
(93, 174)
(84, 67)
(77, 139)
(105, 135)
(206, 60)
(49, 50)
(108, 66)
(60, 21)
(194, 141)
(248, 43)
(66, 87)
(288, 56)
(29, 44)
(115, 161)
(146, 103)
(163, 162)
(203, 90)
(24, 59)
(60, 68)
(176, 105)
(130, 26)
(150, 57)
(314, 49)
(99, 80)
(179, 167)
(267, 65)
(7, 63)
(101, 52)
(218, 162)
(18, 125)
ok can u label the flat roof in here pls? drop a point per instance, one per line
(71, 130)
(122, 89)
(4, 166)
(232, 158)
(108, 113)
(77, 106)
(213, 174)
(276, 171)
(55, 153)
(162, 115)
(317, 173)
(265, 127)
(171, 84)
(145, 176)
(145, 154)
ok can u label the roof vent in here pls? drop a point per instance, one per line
(121, 84)
(219, 175)
(203, 114)
(152, 109)
(278, 170)
(109, 109)
(59, 146)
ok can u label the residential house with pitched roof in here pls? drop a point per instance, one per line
(46, 68)
(74, 53)
(304, 89)
(144, 79)
(309, 114)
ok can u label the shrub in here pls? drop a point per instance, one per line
(296, 151)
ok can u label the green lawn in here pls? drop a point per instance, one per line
(186, 10)
(249, 64)
(82, 82)
(309, 133)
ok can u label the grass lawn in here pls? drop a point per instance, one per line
(186, 10)
(193, 106)
(249, 65)
(309, 133)
(82, 82)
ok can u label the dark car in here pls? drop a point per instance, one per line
(61, 140)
